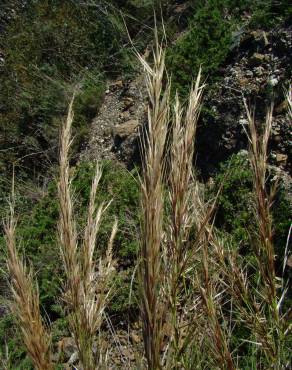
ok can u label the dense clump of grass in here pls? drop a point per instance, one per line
(87, 287)
(196, 291)
(223, 287)
(172, 239)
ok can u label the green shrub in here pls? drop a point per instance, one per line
(37, 231)
(86, 105)
(49, 48)
(269, 13)
(235, 214)
(124, 302)
(37, 227)
(12, 352)
(212, 33)
(120, 186)
(235, 201)
(206, 42)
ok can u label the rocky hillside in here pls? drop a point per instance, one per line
(115, 131)
(255, 71)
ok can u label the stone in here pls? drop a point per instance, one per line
(126, 129)
(135, 338)
(128, 102)
(273, 81)
(74, 358)
(181, 8)
(260, 37)
(129, 355)
(282, 107)
(281, 158)
(277, 139)
(243, 153)
(125, 115)
(243, 82)
(67, 347)
(257, 59)
(259, 71)
(243, 122)
(249, 74)
(116, 85)
(265, 37)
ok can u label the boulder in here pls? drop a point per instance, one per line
(257, 59)
(281, 158)
(126, 129)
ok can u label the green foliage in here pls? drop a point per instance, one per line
(37, 230)
(235, 214)
(235, 206)
(60, 329)
(206, 44)
(86, 105)
(281, 211)
(212, 33)
(237, 225)
(12, 352)
(125, 295)
(269, 13)
(48, 49)
(121, 187)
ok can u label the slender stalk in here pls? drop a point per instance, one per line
(265, 251)
(88, 281)
(153, 306)
(181, 185)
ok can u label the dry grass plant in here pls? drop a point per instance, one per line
(154, 304)
(257, 304)
(170, 313)
(88, 286)
(194, 288)
(289, 100)
(25, 300)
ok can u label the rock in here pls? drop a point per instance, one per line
(125, 115)
(67, 347)
(282, 107)
(128, 102)
(243, 82)
(128, 354)
(257, 59)
(243, 122)
(266, 41)
(135, 338)
(181, 8)
(125, 129)
(259, 71)
(74, 358)
(260, 37)
(55, 357)
(243, 153)
(273, 81)
(277, 139)
(281, 158)
(249, 74)
(116, 85)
